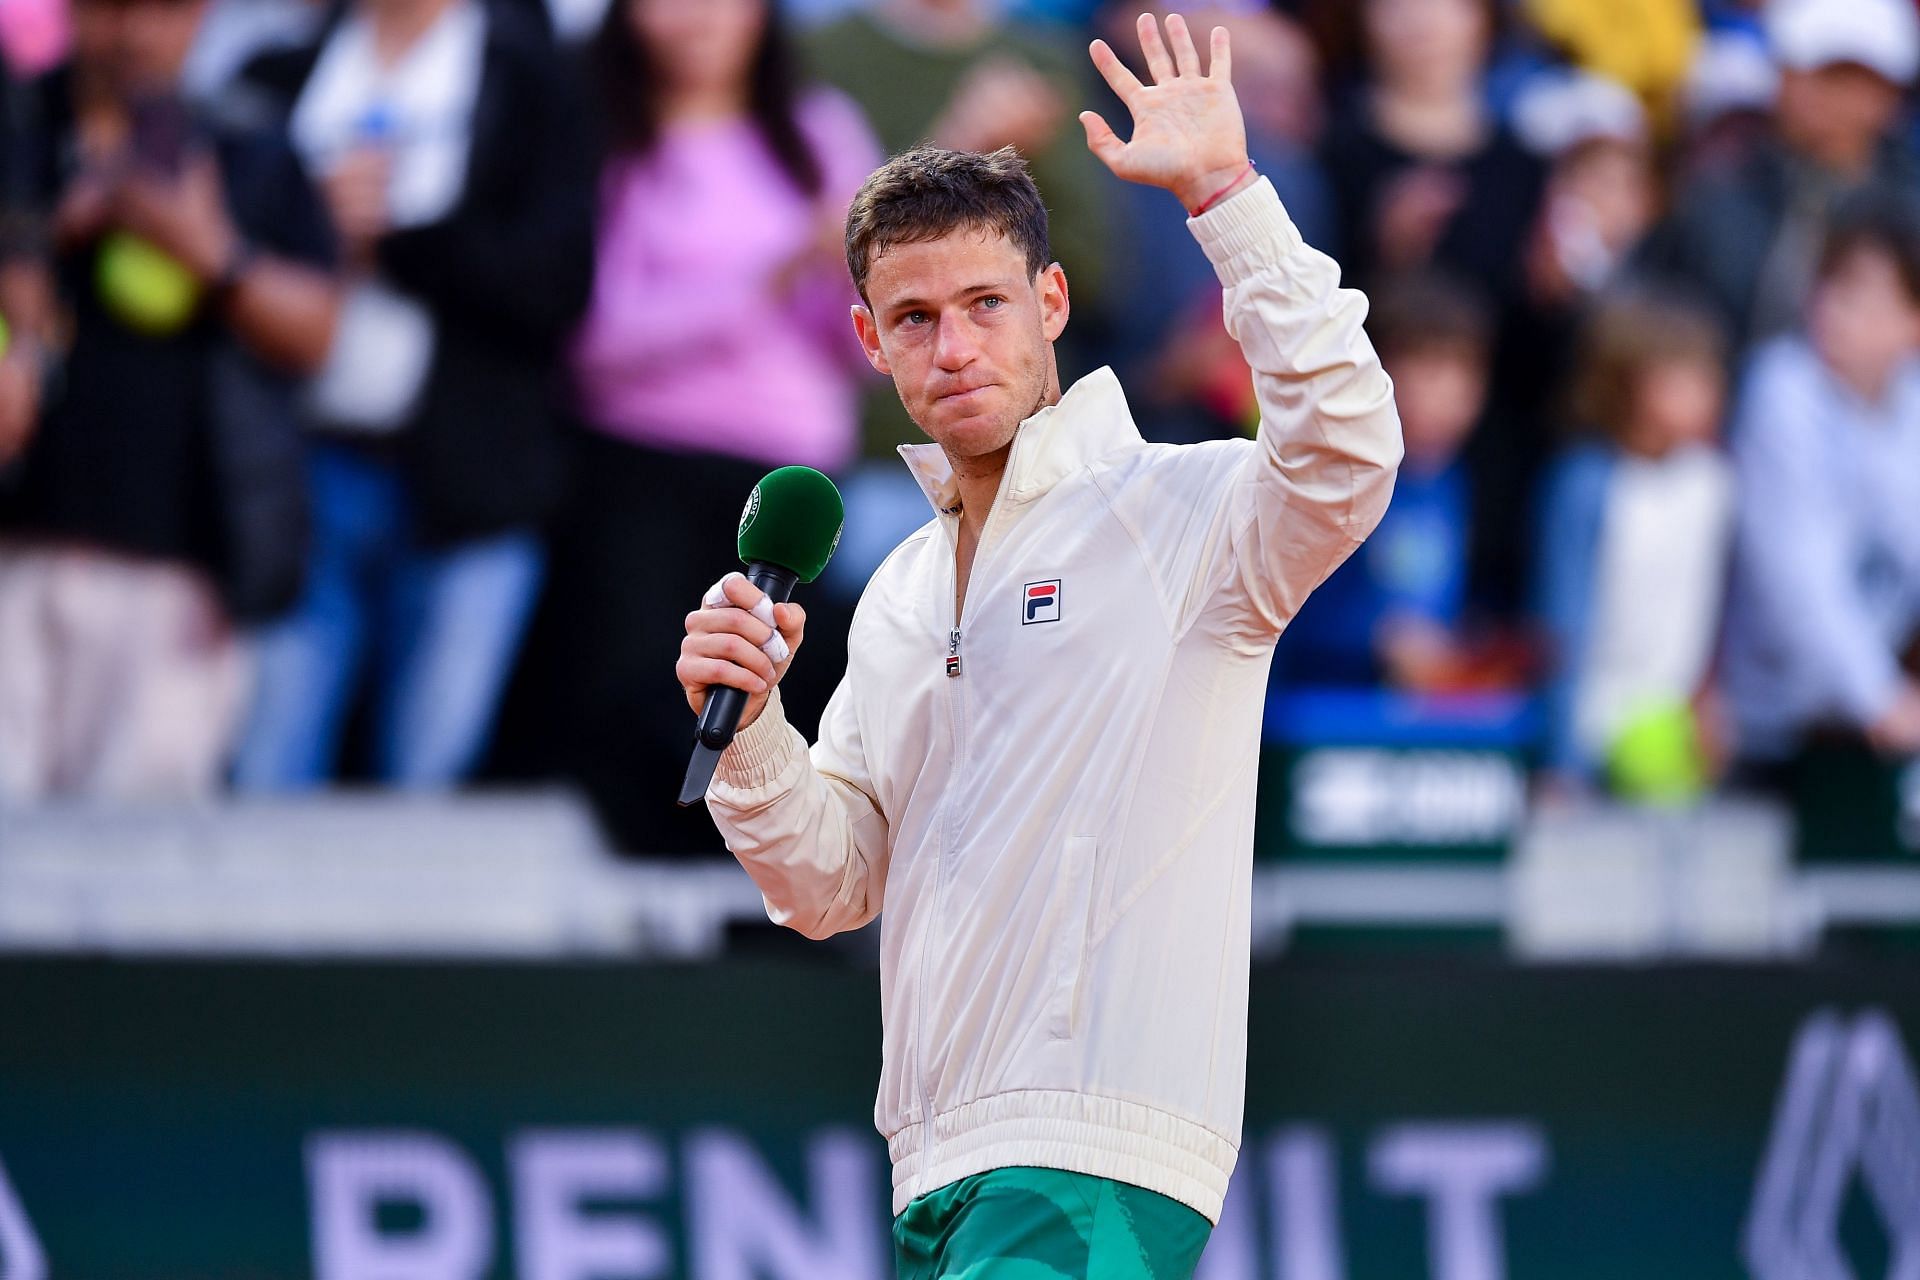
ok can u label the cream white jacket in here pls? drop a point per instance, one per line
(1052, 796)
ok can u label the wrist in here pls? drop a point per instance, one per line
(1202, 191)
(234, 265)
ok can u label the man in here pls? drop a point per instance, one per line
(1750, 239)
(1826, 589)
(171, 264)
(447, 137)
(1042, 756)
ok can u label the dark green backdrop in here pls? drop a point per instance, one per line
(153, 1116)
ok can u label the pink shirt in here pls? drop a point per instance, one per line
(688, 345)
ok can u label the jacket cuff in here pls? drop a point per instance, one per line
(1246, 234)
(760, 753)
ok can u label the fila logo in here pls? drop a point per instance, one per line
(1041, 602)
(1850, 1110)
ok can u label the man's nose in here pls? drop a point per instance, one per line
(954, 347)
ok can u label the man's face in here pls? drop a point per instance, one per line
(141, 44)
(1837, 115)
(966, 334)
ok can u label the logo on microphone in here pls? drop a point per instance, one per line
(1041, 602)
(752, 509)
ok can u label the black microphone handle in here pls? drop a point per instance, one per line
(720, 717)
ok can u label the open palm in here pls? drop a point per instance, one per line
(1188, 135)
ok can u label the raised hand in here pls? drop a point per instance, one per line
(1188, 135)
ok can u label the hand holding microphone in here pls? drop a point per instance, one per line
(729, 642)
(743, 637)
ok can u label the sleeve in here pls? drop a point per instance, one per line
(517, 262)
(1266, 524)
(805, 825)
(1792, 530)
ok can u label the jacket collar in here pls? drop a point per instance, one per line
(1090, 421)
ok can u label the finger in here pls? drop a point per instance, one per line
(735, 592)
(1101, 139)
(1121, 80)
(1185, 56)
(729, 622)
(697, 673)
(727, 647)
(793, 623)
(1158, 62)
(1220, 61)
(744, 595)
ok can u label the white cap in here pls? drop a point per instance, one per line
(1732, 72)
(1560, 109)
(1881, 35)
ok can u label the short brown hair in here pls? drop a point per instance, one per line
(1876, 222)
(928, 192)
(1625, 335)
(1428, 310)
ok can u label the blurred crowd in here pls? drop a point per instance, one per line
(381, 379)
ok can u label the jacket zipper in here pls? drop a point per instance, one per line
(920, 1081)
(955, 714)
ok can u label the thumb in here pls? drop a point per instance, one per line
(1101, 139)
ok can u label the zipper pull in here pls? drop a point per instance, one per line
(953, 652)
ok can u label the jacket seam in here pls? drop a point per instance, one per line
(1324, 566)
(1130, 1100)
(1181, 848)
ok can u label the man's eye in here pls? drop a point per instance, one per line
(915, 317)
(991, 302)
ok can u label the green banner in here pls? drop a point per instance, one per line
(1468, 1121)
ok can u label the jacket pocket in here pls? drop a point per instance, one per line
(1070, 943)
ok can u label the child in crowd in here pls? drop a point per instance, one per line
(1826, 595)
(1394, 612)
(1635, 532)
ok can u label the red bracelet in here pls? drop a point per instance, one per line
(1213, 199)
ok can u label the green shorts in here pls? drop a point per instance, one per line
(1046, 1224)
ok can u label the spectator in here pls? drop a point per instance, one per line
(1167, 312)
(718, 345)
(159, 496)
(1396, 612)
(1426, 178)
(951, 71)
(1602, 193)
(1728, 103)
(1423, 174)
(1750, 239)
(34, 37)
(957, 73)
(1827, 444)
(1602, 190)
(1646, 45)
(1635, 533)
(458, 173)
(235, 32)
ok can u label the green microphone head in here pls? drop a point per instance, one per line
(793, 519)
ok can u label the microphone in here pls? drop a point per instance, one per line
(788, 532)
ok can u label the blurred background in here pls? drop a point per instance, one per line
(379, 383)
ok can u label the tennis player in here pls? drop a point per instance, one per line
(1041, 761)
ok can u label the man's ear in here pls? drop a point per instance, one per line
(1051, 285)
(869, 332)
